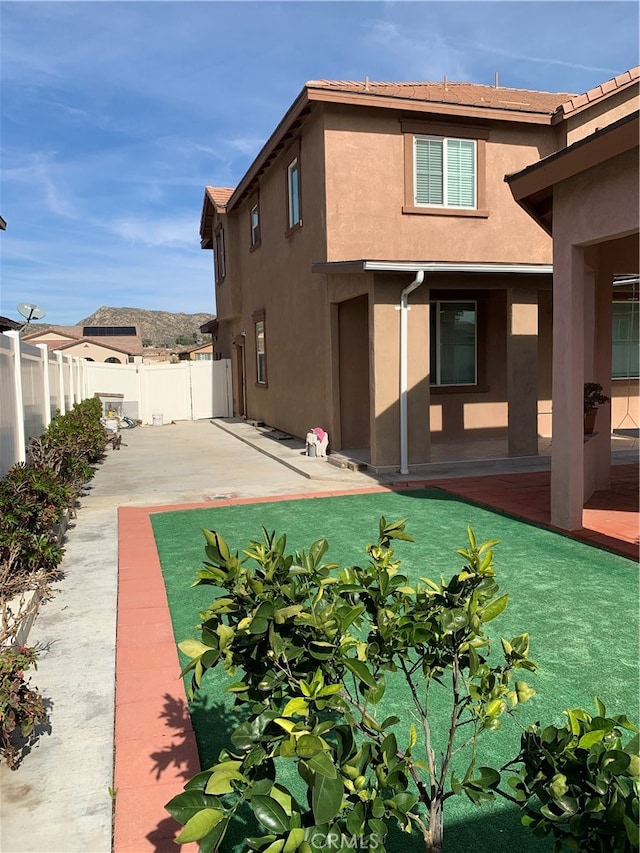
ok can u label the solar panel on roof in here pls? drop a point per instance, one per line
(108, 331)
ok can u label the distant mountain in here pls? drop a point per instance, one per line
(157, 328)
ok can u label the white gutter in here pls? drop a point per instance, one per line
(446, 266)
(404, 310)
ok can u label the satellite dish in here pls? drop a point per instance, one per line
(30, 312)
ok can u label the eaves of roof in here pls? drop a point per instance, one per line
(60, 345)
(443, 99)
(578, 103)
(532, 187)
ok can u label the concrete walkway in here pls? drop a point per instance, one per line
(59, 801)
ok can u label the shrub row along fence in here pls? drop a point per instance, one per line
(36, 498)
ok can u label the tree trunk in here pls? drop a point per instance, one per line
(433, 834)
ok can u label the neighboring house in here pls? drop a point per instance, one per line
(586, 195)
(375, 276)
(112, 344)
(8, 325)
(202, 352)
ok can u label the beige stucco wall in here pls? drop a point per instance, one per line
(276, 278)
(85, 349)
(365, 165)
(357, 214)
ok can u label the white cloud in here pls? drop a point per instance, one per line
(170, 233)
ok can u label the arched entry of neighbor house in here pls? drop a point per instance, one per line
(353, 345)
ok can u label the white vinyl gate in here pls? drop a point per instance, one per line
(189, 390)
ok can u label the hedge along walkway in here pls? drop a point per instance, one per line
(579, 605)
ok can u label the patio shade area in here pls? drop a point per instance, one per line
(578, 603)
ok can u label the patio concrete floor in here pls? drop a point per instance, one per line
(59, 800)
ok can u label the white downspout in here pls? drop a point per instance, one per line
(404, 310)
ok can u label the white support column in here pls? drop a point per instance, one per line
(567, 451)
(46, 385)
(62, 406)
(20, 439)
(69, 362)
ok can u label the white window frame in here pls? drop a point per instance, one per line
(219, 253)
(254, 220)
(436, 369)
(444, 142)
(293, 194)
(261, 353)
(632, 364)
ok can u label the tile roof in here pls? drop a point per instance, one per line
(445, 92)
(65, 331)
(116, 347)
(131, 344)
(607, 88)
(219, 195)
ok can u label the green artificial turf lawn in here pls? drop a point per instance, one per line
(578, 604)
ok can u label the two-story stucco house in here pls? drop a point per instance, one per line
(375, 275)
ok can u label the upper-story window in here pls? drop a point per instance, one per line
(444, 172)
(219, 255)
(293, 194)
(445, 169)
(254, 219)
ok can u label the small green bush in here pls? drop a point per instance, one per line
(22, 708)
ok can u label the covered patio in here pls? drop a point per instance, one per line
(586, 197)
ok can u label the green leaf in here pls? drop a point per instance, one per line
(270, 813)
(298, 705)
(326, 798)
(321, 763)
(199, 825)
(615, 761)
(220, 781)
(588, 740)
(360, 670)
(494, 608)
(212, 840)
(190, 802)
(308, 746)
(294, 840)
(524, 692)
(193, 648)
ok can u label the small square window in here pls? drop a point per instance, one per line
(254, 217)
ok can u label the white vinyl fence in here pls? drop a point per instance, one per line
(35, 383)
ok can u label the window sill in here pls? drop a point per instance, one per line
(437, 390)
(293, 229)
(255, 246)
(446, 211)
(261, 384)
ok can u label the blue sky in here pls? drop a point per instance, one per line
(115, 115)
